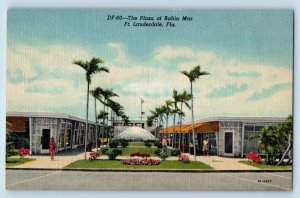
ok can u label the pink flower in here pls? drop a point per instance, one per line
(94, 155)
(141, 162)
(183, 158)
(138, 154)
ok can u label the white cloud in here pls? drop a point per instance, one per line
(169, 52)
(121, 55)
(49, 59)
(145, 80)
(16, 63)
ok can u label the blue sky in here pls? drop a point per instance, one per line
(248, 53)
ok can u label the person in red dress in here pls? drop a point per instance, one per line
(52, 148)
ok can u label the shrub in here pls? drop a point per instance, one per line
(147, 144)
(157, 144)
(118, 151)
(113, 143)
(124, 143)
(104, 150)
(93, 155)
(254, 157)
(26, 143)
(10, 146)
(157, 152)
(175, 152)
(111, 155)
(184, 158)
(164, 156)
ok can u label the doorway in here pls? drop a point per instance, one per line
(229, 142)
(45, 138)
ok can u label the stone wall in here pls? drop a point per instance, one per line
(236, 128)
(38, 124)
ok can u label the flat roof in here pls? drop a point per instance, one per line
(46, 115)
(243, 119)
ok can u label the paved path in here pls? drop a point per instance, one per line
(62, 160)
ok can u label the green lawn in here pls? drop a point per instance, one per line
(266, 166)
(128, 151)
(117, 164)
(17, 161)
(136, 144)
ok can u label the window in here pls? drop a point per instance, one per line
(61, 140)
(250, 143)
(68, 134)
(81, 133)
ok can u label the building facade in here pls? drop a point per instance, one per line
(68, 131)
(228, 136)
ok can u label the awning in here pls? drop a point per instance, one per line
(173, 129)
(205, 127)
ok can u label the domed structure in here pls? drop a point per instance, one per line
(136, 133)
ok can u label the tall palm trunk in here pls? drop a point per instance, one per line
(87, 117)
(103, 125)
(193, 129)
(180, 120)
(174, 120)
(167, 124)
(96, 126)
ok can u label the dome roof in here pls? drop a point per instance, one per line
(136, 133)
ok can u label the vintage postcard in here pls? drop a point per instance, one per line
(149, 99)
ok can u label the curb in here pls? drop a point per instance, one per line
(147, 170)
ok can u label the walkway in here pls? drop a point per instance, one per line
(64, 159)
(223, 163)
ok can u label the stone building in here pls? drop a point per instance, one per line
(228, 136)
(67, 130)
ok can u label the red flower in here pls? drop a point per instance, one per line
(254, 157)
(23, 151)
(138, 154)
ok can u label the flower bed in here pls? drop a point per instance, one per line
(254, 157)
(184, 158)
(142, 161)
(138, 154)
(94, 155)
(23, 152)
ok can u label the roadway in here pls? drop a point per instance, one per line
(137, 181)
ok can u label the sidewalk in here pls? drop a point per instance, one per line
(62, 160)
(220, 163)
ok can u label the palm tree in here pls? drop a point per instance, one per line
(175, 97)
(106, 95)
(183, 98)
(153, 118)
(102, 116)
(96, 93)
(91, 67)
(125, 118)
(166, 110)
(116, 109)
(193, 75)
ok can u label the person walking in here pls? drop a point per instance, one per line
(52, 148)
(205, 147)
(165, 144)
